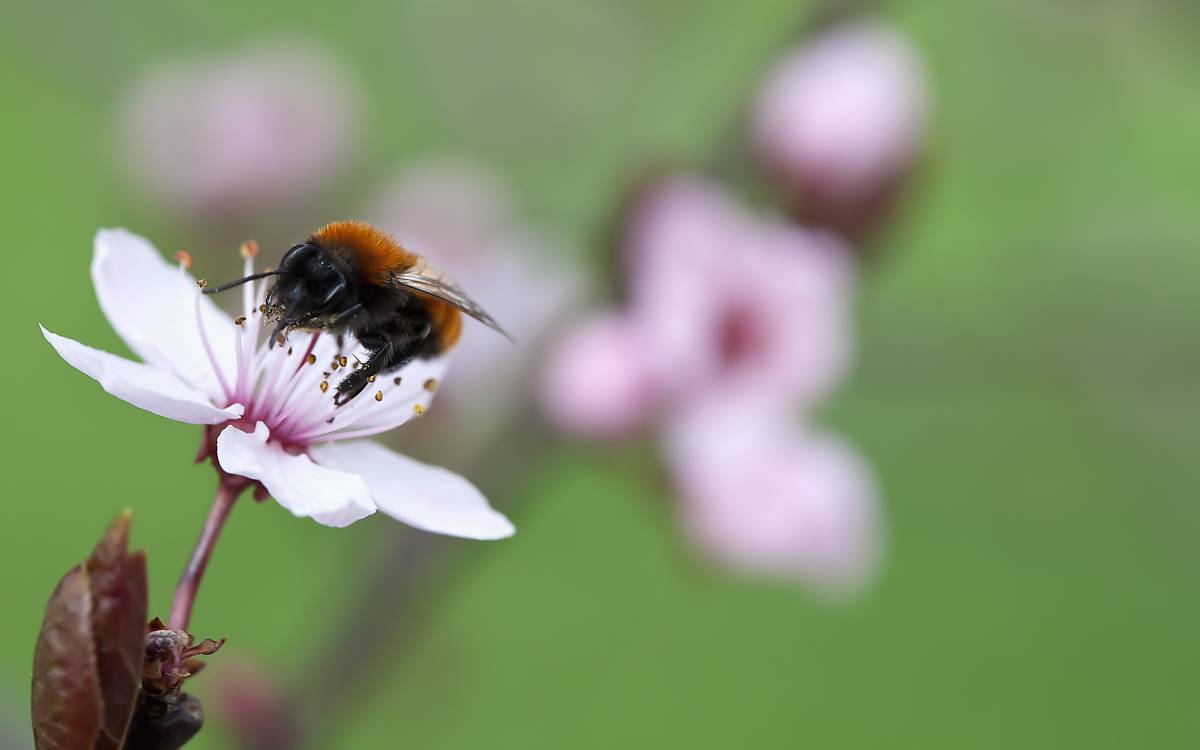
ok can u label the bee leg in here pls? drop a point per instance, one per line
(344, 315)
(351, 385)
(357, 381)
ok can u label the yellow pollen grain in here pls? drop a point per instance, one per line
(418, 409)
(311, 359)
(371, 379)
(324, 385)
(378, 395)
(396, 381)
(239, 320)
(342, 360)
(431, 385)
(333, 365)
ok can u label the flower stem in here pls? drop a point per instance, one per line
(189, 581)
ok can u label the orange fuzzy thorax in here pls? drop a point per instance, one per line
(376, 256)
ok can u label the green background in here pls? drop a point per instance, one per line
(1026, 388)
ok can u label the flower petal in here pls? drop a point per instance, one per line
(760, 496)
(145, 386)
(328, 496)
(152, 306)
(596, 382)
(427, 497)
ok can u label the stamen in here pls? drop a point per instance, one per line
(208, 351)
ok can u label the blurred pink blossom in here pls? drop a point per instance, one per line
(761, 496)
(254, 707)
(717, 298)
(840, 120)
(464, 219)
(598, 382)
(255, 129)
(733, 322)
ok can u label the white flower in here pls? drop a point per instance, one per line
(272, 408)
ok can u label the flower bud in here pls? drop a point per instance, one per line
(838, 124)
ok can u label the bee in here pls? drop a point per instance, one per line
(349, 276)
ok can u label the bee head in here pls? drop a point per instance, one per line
(310, 284)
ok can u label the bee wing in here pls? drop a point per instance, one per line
(429, 281)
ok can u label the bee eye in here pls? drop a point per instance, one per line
(299, 254)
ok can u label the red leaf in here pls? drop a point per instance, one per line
(87, 666)
(118, 582)
(67, 705)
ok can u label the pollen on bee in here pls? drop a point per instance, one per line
(324, 386)
(249, 249)
(342, 360)
(431, 385)
(184, 258)
(418, 409)
(311, 359)
(378, 395)
(239, 320)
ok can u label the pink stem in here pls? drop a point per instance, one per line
(189, 581)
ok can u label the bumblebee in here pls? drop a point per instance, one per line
(349, 276)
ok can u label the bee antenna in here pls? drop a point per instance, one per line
(245, 279)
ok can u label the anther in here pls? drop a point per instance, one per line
(324, 385)
(239, 320)
(431, 385)
(249, 249)
(378, 395)
(418, 409)
(184, 258)
(311, 359)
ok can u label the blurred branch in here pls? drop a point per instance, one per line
(414, 564)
